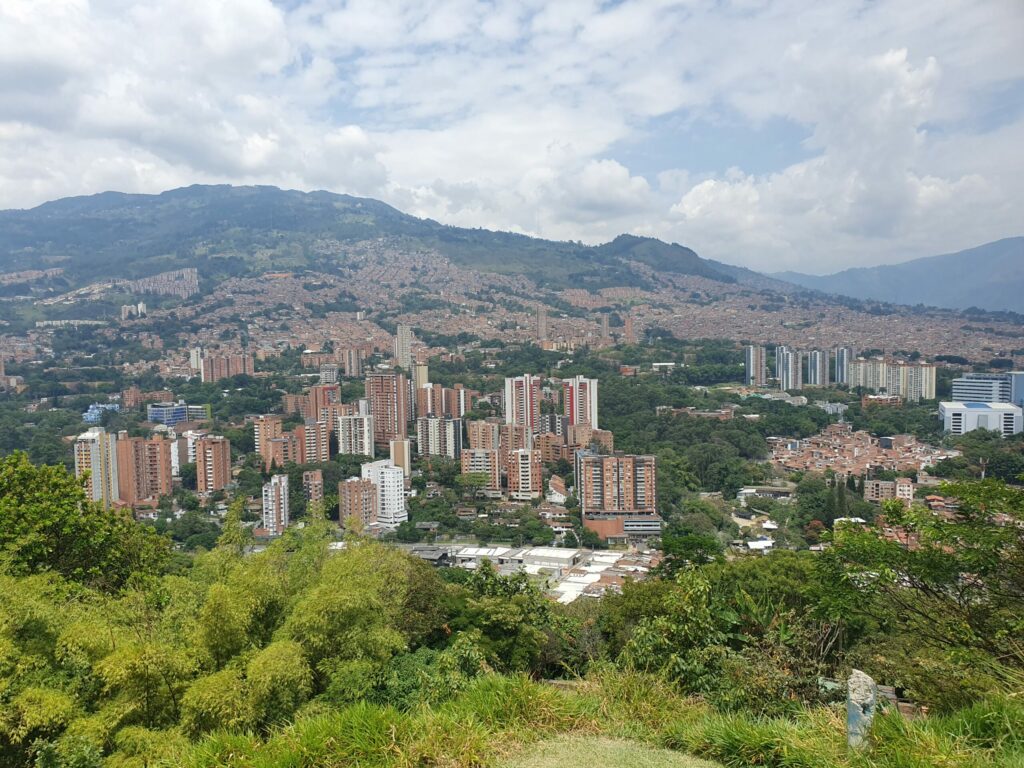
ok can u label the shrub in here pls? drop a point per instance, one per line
(216, 702)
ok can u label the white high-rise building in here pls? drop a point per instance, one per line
(869, 374)
(329, 373)
(755, 368)
(390, 483)
(844, 356)
(525, 475)
(579, 400)
(789, 368)
(522, 401)
(403, 347)
(355, 435)
(96, 453)
(275, 505)
(911, 381)
(916, 381)
(817, 368)
(439, 436)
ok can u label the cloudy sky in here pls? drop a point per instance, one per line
(776, 134)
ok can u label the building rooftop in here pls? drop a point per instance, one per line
(980, 406)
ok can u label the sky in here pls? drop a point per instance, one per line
(773, 134)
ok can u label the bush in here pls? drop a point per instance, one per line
(216, 702)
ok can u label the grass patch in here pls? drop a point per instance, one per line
(600, 752)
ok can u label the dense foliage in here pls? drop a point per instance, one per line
(304, 654)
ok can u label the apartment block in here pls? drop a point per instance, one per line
(313, 485)
(910, 381)
(143, 468)
(619, 483)
(789, 368)
(522, 401)
(483, 461)
(403, 347)
(281, 451)
(351, 361)
(439, 436)
(357, 500)
(96, 454)
(313, 442)
(390, 483)
(585, 436)
(485, 433)
(217, 367)
(213, 463)
(525, 475)
(355, 435)
(844, 356)
(420, 375)
(388, 397)
(513, 437)
(275, 505)
(401, 456)
(579, 400)
(818, 368)
(879, 490)
(755, 366)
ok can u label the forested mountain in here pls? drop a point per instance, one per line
(990, 276)
(225, 230)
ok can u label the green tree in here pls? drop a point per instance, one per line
(953, 583)
(48, 523)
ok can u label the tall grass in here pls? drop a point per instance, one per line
(496, 716)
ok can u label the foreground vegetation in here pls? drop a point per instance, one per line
(114, 654)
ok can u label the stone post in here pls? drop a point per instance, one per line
(861, 701)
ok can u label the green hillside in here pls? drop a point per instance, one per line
(225, 230)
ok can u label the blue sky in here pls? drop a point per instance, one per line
(776, 134)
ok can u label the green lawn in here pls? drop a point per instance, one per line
(601, 752)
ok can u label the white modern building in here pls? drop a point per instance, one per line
(355, 435)
(818, 368)
(844, 356)
(789, 368)
(911, 381)
(990, 388)
(755, 370)
(275, 505)
(960, 417)
(403, 347)
(390, 483)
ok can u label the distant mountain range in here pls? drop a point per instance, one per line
(225, 231)
(990, 277)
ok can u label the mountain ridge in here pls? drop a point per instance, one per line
(227, 229)
(990, 276)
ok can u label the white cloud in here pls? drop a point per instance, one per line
(512, 113)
